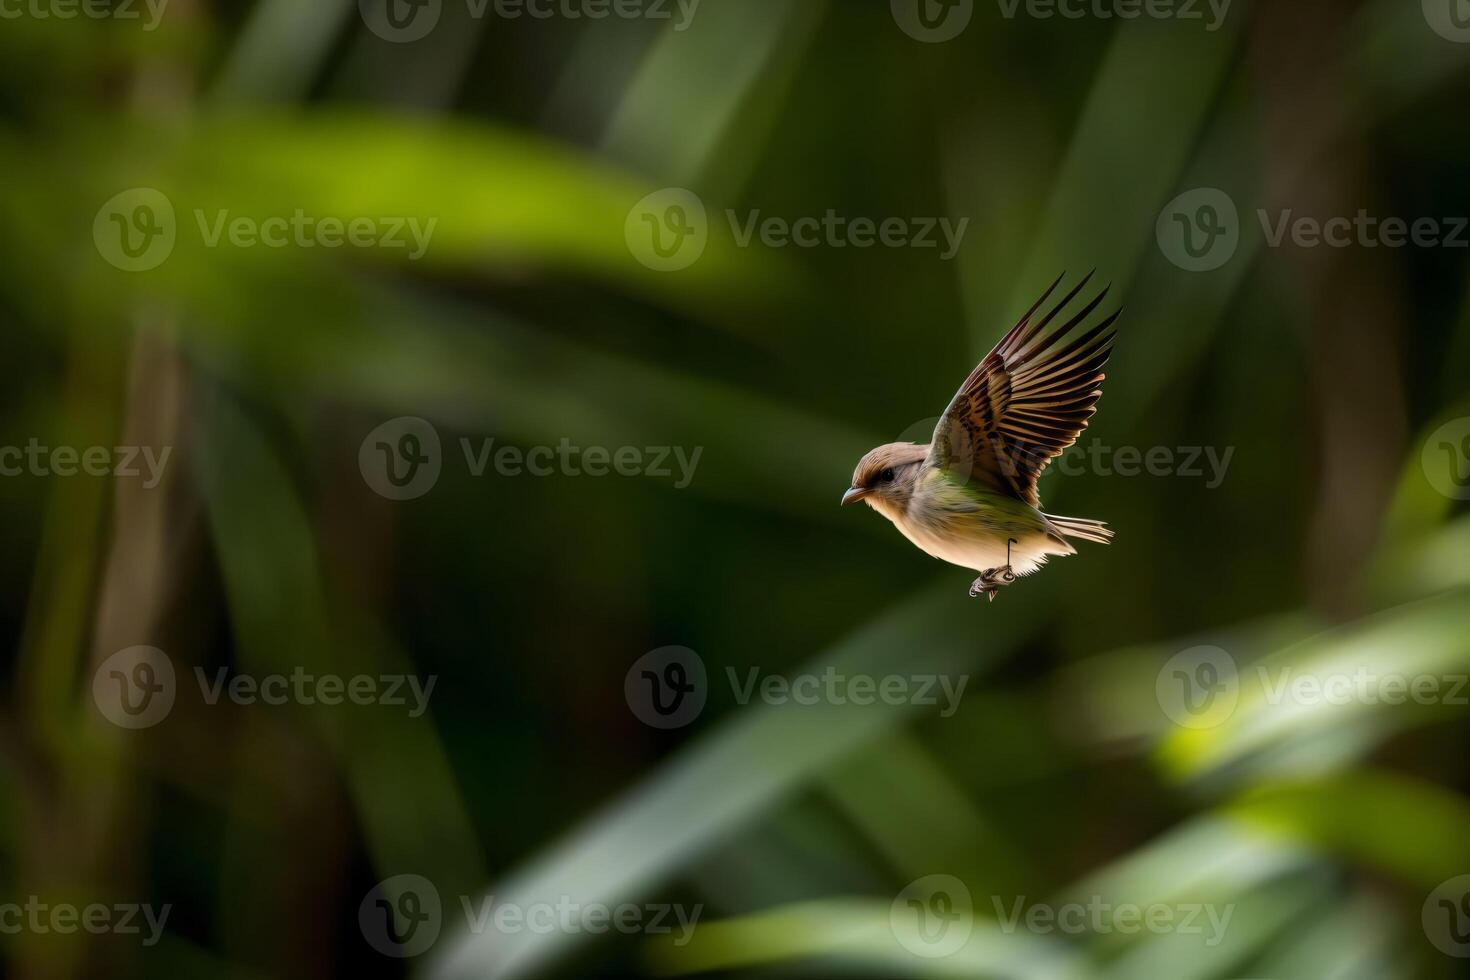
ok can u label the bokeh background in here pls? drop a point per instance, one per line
(1336, 542)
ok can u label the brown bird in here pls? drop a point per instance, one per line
(969, 495)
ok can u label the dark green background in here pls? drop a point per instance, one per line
(529, 320)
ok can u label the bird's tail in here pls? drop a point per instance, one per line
(1082, 528)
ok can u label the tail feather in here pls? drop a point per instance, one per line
(1082, 528)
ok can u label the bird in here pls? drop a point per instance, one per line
(968, 496)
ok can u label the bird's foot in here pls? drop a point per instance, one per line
(991, 580)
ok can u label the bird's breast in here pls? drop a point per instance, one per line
(965, 532)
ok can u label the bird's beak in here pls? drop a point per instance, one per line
(853, 495)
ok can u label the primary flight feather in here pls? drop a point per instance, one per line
(969, 496)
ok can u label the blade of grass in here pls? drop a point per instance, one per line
(723, 780)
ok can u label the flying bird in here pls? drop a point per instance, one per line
(969, 497)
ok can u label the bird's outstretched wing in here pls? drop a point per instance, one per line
(1027, 401)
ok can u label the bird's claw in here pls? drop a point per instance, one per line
(990, 581)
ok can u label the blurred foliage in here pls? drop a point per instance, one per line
(1325, 550)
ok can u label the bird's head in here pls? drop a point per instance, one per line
(886, 476)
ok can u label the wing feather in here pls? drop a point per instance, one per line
(1029, 399)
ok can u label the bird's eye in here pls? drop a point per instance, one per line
(886, 476)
